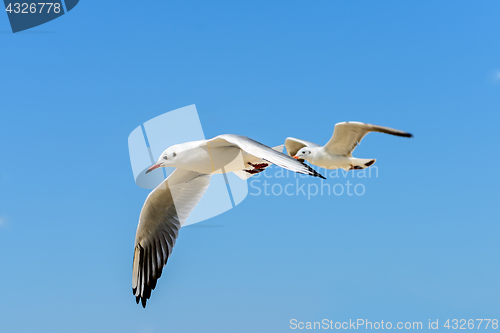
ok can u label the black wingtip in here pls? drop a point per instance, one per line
(317, 174)
(313, 172)
(406, 135)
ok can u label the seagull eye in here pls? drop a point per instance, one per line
(164, 157)
(174, 154)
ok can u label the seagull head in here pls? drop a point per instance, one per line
(303, 154)
(167, 158)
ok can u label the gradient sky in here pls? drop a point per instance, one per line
(421, 243)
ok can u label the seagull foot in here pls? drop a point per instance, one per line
(259, 166)
(355, 167)
(254, 171)
(256, 168)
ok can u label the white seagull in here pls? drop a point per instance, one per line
(168, 205)
(337, 153)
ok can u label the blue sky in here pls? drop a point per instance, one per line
(421, 243)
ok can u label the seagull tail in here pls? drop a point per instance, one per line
(362, 163)
(370, 162)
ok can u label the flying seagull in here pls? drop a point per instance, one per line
(168, 205)
(337, 153)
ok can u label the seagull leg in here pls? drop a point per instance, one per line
(355, 167)
(256, 168)
(254, 171)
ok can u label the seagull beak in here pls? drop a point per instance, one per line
(155, 166)
(296, 157)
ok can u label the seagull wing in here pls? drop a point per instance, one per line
(293, 145)
(259, 150)
(347, 135)
(165, 210)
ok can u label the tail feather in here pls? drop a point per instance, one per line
(369, 163)
(362, 163)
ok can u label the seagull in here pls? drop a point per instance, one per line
(168, 205)
(337, 153)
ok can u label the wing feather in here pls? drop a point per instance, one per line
(259, 150)
(347, 135)
(164, 211)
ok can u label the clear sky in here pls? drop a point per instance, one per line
(421, 243)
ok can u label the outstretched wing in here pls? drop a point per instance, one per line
(164, 212)
(293, 145)
(261, 151)
(347, 135)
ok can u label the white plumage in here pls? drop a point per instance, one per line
(337, 153)
(168, 206)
